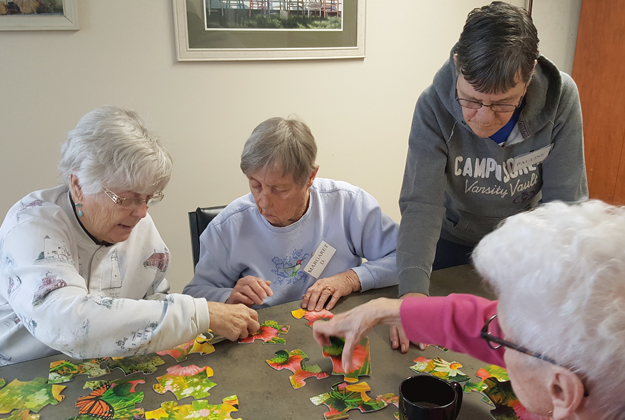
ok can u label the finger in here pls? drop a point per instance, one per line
(253, 315)
(241, 298)
(348, 353)
(322, 337)
(259, 290)
(323, 298)
(403, 340)
(335, 298)
(250, 293)
(252, 326)
(314, 298)
(267, 286)
(394, 337)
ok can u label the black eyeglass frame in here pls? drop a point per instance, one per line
(501, 342)
(517, 106)
(489, 338)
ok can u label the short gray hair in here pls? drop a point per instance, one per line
(111, 147)
(559, 273)
(284, 142)
(498, 42)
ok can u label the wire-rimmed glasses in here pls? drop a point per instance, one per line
(133, 202)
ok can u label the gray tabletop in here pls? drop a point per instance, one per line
(265, 393)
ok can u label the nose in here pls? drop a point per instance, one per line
(484, 115)
(263, 201)
(140, 211)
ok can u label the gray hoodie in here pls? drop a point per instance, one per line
(459, 186)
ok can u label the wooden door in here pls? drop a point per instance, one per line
(599, 71)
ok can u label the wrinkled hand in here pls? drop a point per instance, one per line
(397, 336)
(250, 290)
(232, 321)
(332, 288)
(354, 325)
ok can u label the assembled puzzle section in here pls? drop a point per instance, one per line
(31, 395)
(268, 332)
(198, 409)
(111, 400)
(312, 316)
(295, 361)
(361, 360)
(201, 344)
(64, 370)
(345, 397)
(187, 381)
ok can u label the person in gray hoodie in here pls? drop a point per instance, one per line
(498, 132)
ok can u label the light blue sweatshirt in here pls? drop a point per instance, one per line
(240, 242)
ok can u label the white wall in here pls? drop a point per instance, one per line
(124, 54)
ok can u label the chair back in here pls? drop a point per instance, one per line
(198, 221)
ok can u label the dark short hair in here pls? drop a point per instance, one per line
(498, 42)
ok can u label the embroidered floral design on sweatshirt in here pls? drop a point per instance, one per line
(288, 268)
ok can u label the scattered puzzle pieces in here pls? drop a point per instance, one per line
(441, 348)
(295, 362)
(147, 364)
(440, 368)
(2, 382)
(507, 405)
(201, 344)
(268, 332)
(490, 371)
(345, 397)
(64, 370)
(361, 361)
(392, 399)
(170, 410)
(32, 395)
(312, 316)
(186, 381)
(22, 415)
(111, 400)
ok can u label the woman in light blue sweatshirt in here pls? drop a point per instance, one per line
(294, 236)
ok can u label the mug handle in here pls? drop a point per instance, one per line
(458, 388)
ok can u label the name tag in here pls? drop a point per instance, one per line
(320, 259)
(531, 158)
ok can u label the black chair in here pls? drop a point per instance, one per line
(198, 220)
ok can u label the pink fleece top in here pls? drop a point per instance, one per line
(453, 321)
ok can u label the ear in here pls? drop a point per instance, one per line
(312, 176)
(74, 186)
(566, 391)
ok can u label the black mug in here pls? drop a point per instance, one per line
(425, 397)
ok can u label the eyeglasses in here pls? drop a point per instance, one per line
(499, 342)
(132, 202)
(467, 103)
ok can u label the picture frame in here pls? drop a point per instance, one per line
(55, 20)
(243, 30)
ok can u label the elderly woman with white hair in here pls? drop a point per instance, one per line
(559, 324)
(294, 236)
(82, 266)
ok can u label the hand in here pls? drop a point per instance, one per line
(232, 321)
(250, 290)
(398, 336)
(356, 324)
(330, 287)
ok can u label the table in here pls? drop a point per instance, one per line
(265, 393)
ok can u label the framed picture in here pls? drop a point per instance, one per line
(38, 15)
(228, 30)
